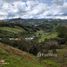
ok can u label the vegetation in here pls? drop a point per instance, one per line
(37, 37)
(16, 58)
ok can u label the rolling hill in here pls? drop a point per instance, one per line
(12, 51)
(13, 57)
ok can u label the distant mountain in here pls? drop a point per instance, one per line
(34, 22)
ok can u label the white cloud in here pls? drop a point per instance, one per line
(3, 15)
(61, 17)
(32, 9)
(64, 8)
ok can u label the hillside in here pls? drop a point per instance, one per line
(26, 38)
(14, 30)
(13, 57)
(10, 31)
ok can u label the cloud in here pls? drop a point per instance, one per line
(32, 9)
(36, 10)
(64, 8)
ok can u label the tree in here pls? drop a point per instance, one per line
(34, 50)
(62, 32)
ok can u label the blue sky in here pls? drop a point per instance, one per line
(46, 1)
(33, 9)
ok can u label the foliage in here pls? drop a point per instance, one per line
(16, 58)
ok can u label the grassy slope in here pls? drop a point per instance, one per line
(43, 36)
(16, 57)
(10, 29)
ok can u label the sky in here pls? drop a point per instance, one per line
(26, 9)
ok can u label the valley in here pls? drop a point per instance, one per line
(21, 40)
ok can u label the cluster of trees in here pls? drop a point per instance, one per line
(62, 32)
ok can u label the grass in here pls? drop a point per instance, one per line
(42, 36)
(11, 29)
(51, 63)
(16, 58)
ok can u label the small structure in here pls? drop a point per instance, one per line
(46, 55)
(3, 62)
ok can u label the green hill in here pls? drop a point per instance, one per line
(11, 29)
(11, 32)
(13, 57)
